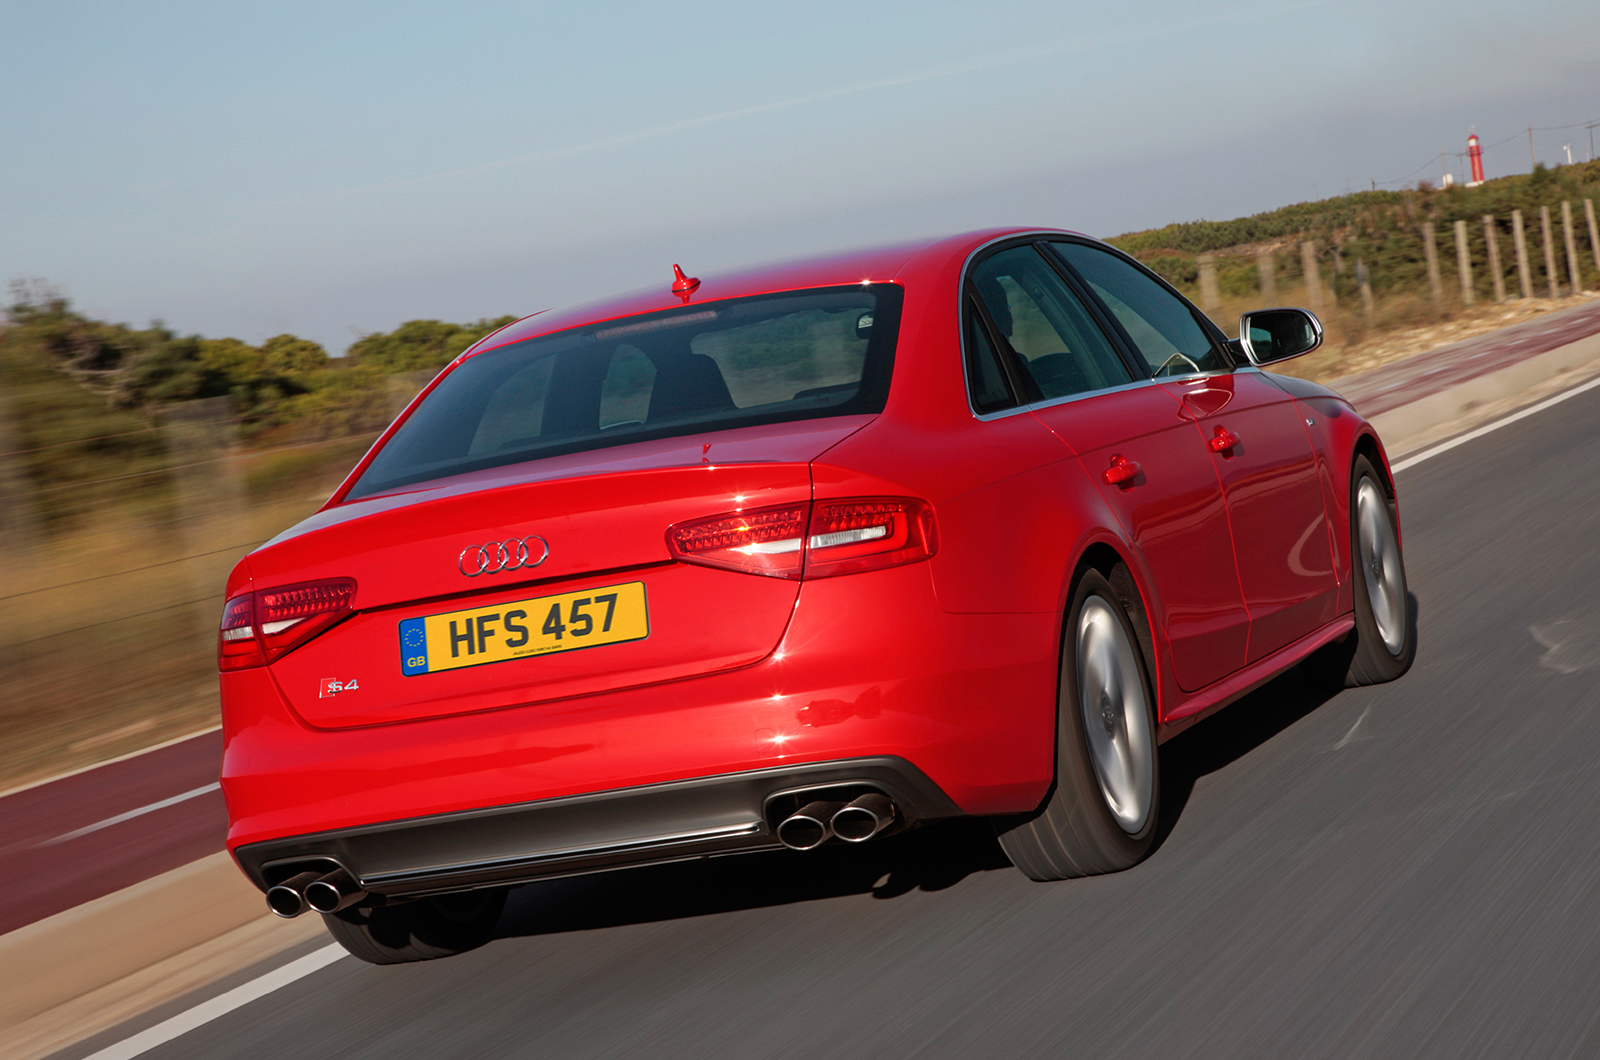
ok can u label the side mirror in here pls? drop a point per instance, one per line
(1268, 336)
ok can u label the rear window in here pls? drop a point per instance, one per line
(738, 363)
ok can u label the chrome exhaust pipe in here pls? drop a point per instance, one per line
(863, 818)
(288, 899)
(808, 826)
(333, 892)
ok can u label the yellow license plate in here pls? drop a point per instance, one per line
(610, 614)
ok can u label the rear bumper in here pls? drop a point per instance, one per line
(655, 823)
(870, 667)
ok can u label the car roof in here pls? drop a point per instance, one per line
(852, 265)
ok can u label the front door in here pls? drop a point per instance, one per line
(1037, 336)
(1264, 459)
(1256, 439)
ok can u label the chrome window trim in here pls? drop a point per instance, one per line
(1069, 398)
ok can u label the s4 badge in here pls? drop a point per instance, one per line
(332, 686)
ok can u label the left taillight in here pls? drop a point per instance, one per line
(261, 626)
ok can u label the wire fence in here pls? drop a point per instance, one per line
(133, 570)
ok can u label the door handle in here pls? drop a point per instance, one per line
(1222, 440)
(1121, 470)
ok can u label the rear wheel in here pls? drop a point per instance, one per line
(1384, 642)
(1101, 815)
(428, 928)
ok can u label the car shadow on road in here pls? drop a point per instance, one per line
(1240, 728)
(930, 858)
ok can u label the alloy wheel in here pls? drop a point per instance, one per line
(1380, 565)
(1116, 716)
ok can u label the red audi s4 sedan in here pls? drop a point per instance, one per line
(803, 554)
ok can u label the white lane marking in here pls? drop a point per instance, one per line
(131, 814)
(108, 762)
(221, 1005)
(1351, 737)
(1443, 447)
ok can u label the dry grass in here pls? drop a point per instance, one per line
(111, 630)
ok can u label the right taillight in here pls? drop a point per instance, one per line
(259, 627)
(818, 540)
(867, 533)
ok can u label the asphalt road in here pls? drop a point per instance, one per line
(1411, 870)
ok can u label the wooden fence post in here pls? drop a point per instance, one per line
(19, 514)
(1430, 251)
(1464, 262)
(1209, 297)
(1572, 247)
(199, 436)
(1549, 252)
(1594, 233)
(1313, 276)
(1267, 271)
(1493, 245)
(1364, 281)
(1518, 237)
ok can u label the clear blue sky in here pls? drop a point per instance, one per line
(332, 169)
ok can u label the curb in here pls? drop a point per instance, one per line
(72, 975)
(1418, 422)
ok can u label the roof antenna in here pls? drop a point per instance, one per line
(683, 286)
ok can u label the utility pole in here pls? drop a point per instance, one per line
(1444, 169)
(1531, 160)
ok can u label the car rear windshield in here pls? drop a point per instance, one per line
(736, 363)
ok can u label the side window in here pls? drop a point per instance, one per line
(1057, 346)
(1161, 325)
(990, 391)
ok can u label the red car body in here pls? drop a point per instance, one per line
(935, 679)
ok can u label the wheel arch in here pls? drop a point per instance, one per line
(1128, 580)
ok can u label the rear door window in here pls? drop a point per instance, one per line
(736, 363)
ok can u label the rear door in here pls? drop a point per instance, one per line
(1256, 441)
(1030, 324)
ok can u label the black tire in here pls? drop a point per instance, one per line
(1384, 642)
(1077, 831)
(424, 930)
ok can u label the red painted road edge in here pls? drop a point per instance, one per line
(39, 878)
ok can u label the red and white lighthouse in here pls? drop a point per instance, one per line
(1475, 156)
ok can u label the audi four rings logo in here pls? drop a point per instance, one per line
(495, 556)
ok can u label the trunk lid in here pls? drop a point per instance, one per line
(600, 525)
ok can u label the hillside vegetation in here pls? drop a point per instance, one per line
(1381, 229)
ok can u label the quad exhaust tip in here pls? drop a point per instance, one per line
(863, 818)
(810, 826)
(855, 822)
(325, 892)
(288, 899)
